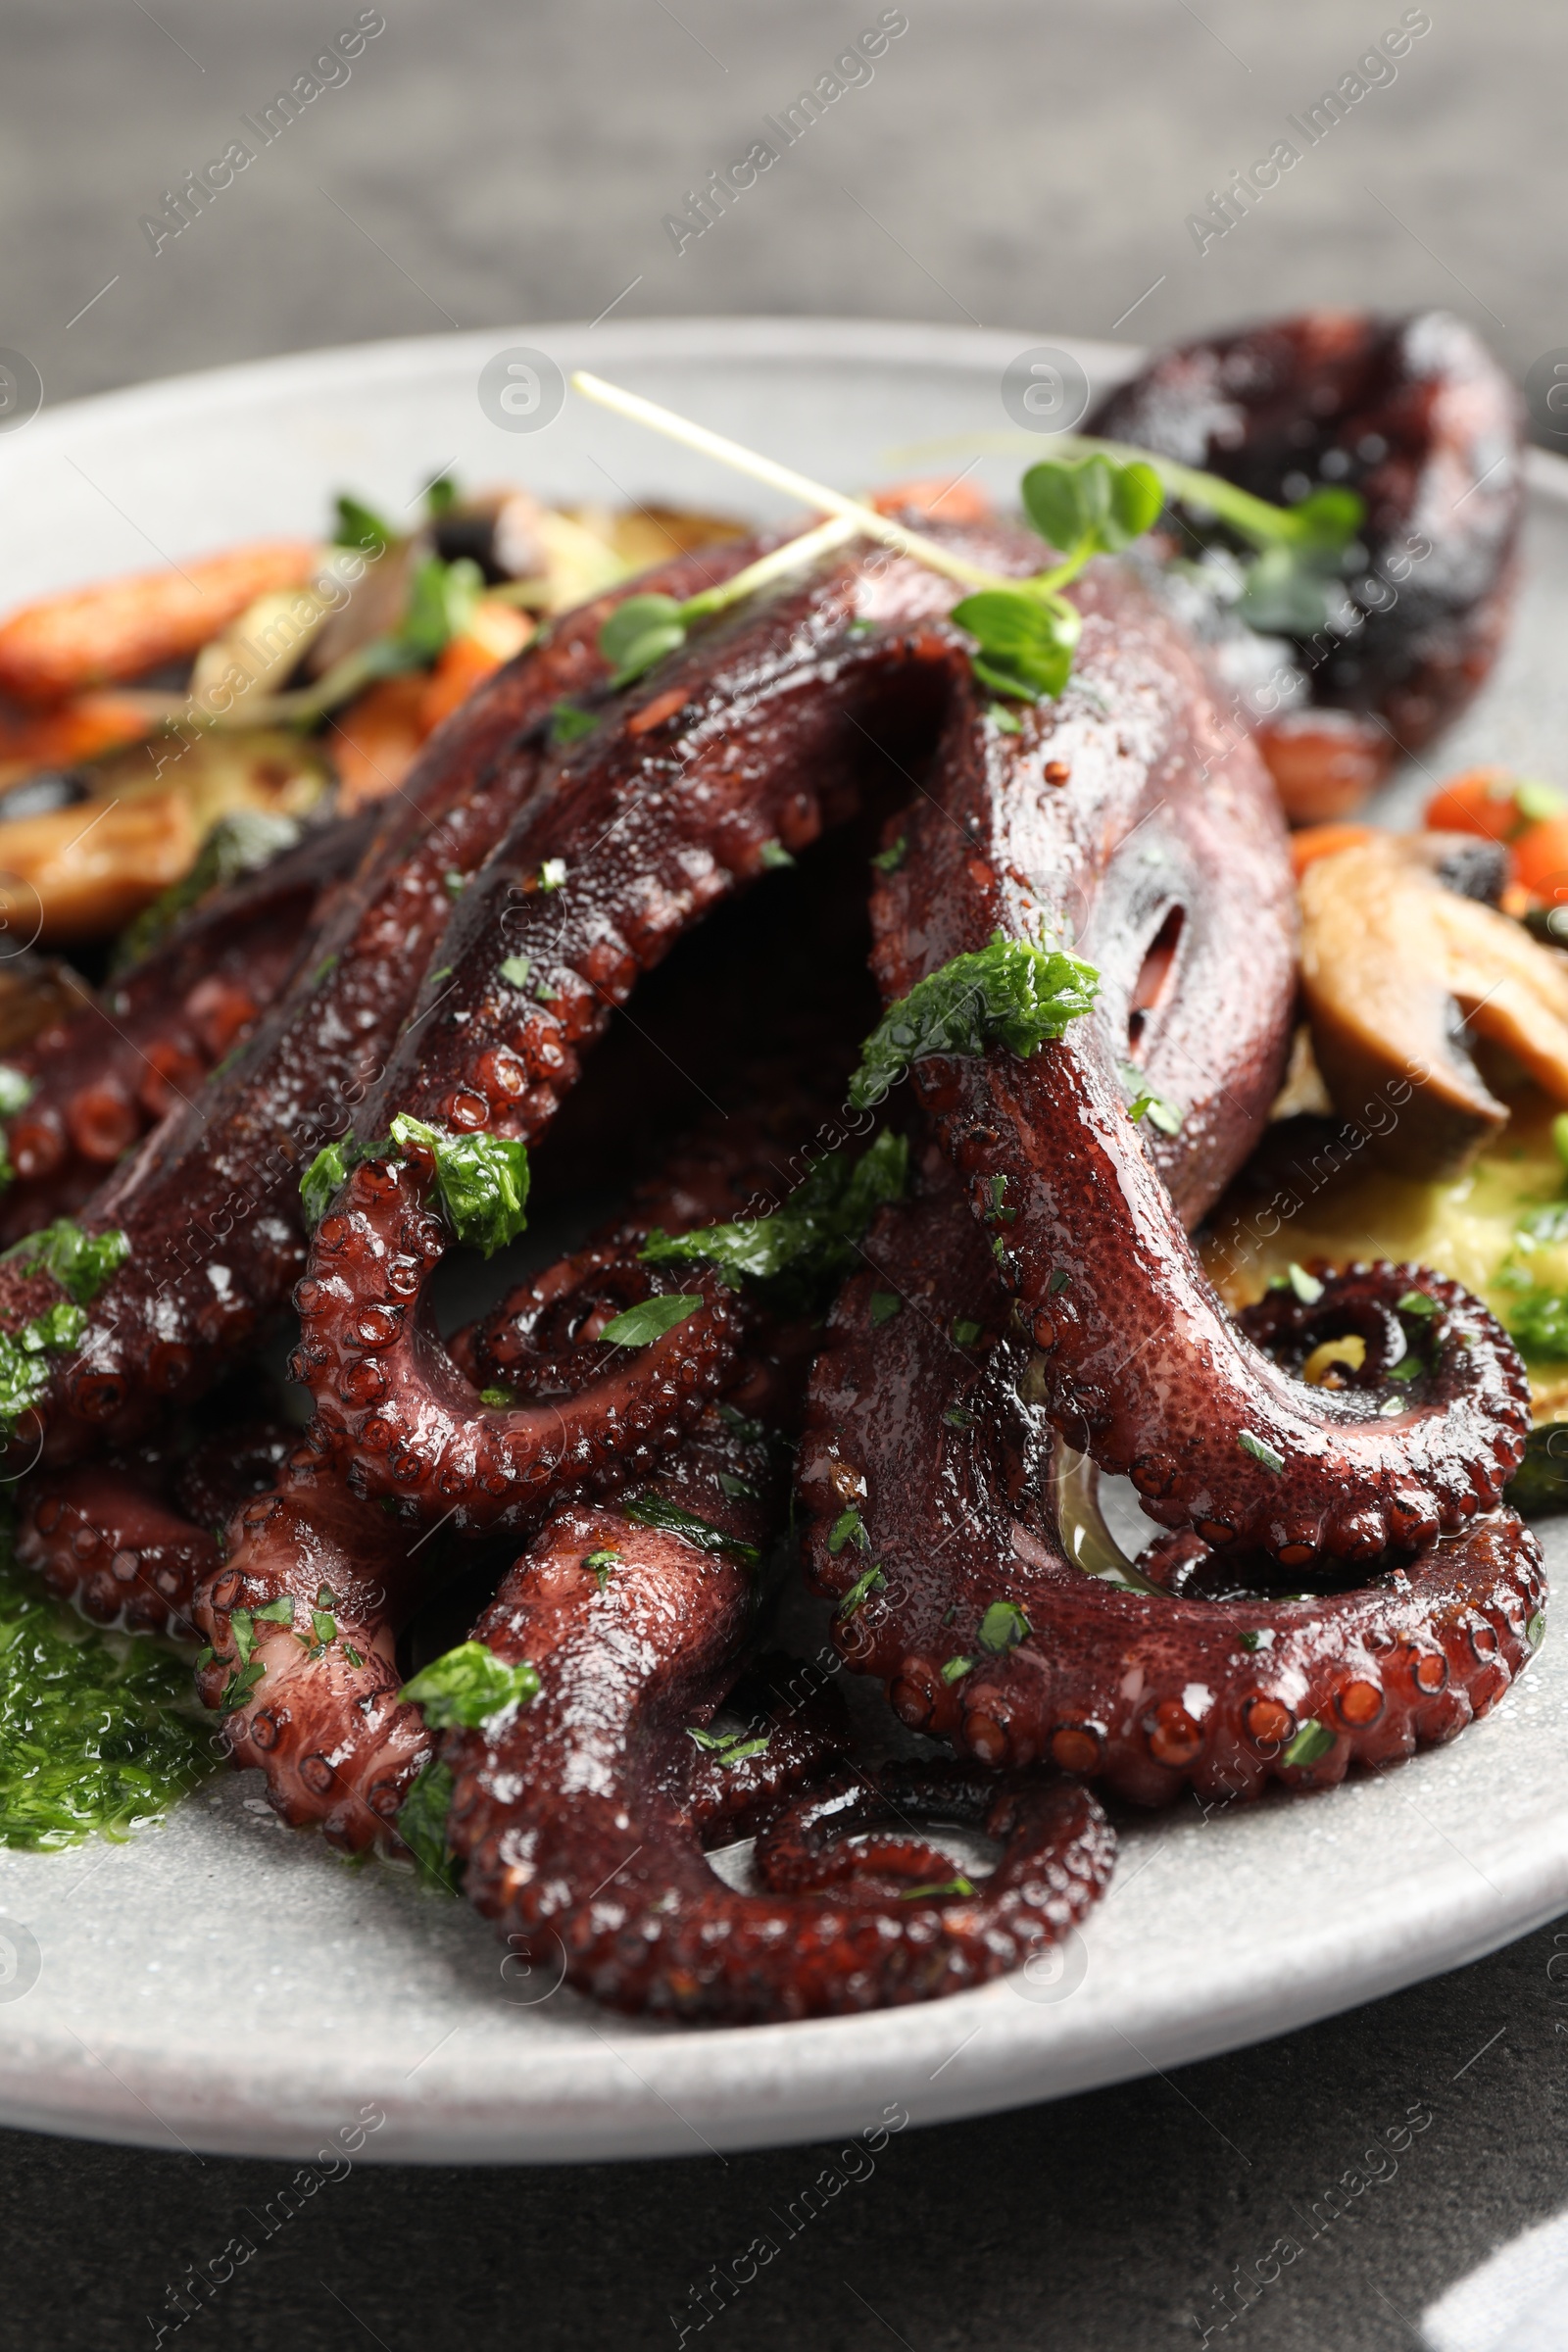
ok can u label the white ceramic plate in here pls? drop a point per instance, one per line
(225, 1984)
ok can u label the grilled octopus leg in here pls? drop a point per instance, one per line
(211, 1202)
(1136, 1360)
(984, 1633)
(102, 1078)
(573, 1816)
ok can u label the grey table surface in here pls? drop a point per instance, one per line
(1013, 164)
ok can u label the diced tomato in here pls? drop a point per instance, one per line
(1321, 841)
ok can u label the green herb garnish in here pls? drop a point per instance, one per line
(422, 1827)
(358, 525)
(810, 1239)
(956, 1886)
(1311, 1742)
(847, 1528)
(731, 1748)
(640, 1325)
(885, 1305)
(97, 1729)
(774, 856)
(673, 1519)
(601, 1562)
(516, 969)
(956, 1668)
(1261, 1453)
(1167, 1116)
(870, 1580)
(482, 1181)
(552, 875)
(966, 1334)
(1010, 994)
(568, 725)
(889, 860)
(1004, 1626)
(1415, 1302)
(471, 1685)
(80, 1262)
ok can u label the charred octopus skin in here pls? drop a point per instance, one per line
(1137, 1364)
(576, 1816)
(747, 747)
(100, 1079)
(210, 1201)
(1413, 414)
(986, 1634)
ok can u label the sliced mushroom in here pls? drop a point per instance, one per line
(1398, 973)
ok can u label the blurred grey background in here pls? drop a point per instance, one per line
(1012, 162)
(1016, 165)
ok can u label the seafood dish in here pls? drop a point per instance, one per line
(999, 1087)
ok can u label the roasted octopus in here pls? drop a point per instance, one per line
(1337, 1577)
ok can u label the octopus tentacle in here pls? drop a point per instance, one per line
(392, 1405)
(1137, 1361)
(102, 1078)
(211, 1200)
(107, 1539)
(127, 1542)
(573, 1816)
(321, 1724)
(310, 1694)
(985, 1633)
(753, 740)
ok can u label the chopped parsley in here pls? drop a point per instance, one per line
(810, 1239)
(1158, 1112)
(1002, 1627)
(966, 1334)
(889, 860)
(601, 1562)
(1305, 1287)
(1416, 1303)
(552, 874)
(454, 883)
(775, 856)
(885, 1305)
(471, 1685)
(498, 1401)
(640, 1325)
(956, 1668)
(1311, 1742)
(847, 1528)
(957, 1417)
(516, 969)
(739, 1490)
(1059, 1282)
(23, 1375)
(1536, 1630)
(17, 1091)
(1408, 1367)
(323, 1179)
(1261, 1453)
(956, 1886)
(80, 1262)
(871, 1580)
(733, 1748)
(1007, 720)
(568, 725)
(422, 1827)
(673, 1518)
(482, 1181)
(1010, 994)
